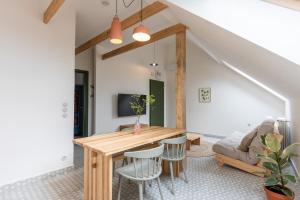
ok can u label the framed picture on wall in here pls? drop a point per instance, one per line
(205, 95)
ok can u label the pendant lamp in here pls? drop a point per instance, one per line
(115, 34)
(141, 33)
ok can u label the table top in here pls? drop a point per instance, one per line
(112, 143)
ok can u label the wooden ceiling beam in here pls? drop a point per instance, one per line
(52, 9)
(154, 37)
(148, 11)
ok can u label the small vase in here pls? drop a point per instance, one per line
(137, 126)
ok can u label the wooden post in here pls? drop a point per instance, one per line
(180, 79)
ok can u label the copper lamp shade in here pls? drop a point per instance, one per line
(116, 31)
(141, 34)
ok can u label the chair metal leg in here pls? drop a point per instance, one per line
(159, 187)
(120, 187)
(172, 176)
(141, 190)
(144, 187)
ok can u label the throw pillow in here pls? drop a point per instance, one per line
(246, 141)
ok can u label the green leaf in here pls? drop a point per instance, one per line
(270, 181)
(273, 142)
(285, 181)
(266, 158)
(263, 139)
(290, 178)
(287, 192)
(289, 151)
(284, 163)
(271, 166)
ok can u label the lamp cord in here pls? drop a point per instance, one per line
(141, 11)
(127, 6)
(154, 51)
(116, 7)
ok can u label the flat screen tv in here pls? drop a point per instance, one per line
(124, 106)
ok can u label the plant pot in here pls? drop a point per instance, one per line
(276, 196)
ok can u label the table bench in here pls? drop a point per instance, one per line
(192, 138)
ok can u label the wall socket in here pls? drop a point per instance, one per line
(65, 110)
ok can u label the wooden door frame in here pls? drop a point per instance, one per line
(86, 101)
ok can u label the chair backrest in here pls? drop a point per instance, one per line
(175, 147)
(146, 163)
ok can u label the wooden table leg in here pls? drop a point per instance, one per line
(87, 168)
(107, 177)
(177, 168)
(93, 175)
(188, 145)
(196, 142)
(99, 177)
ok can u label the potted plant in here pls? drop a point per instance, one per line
(138, 104)
(275, 160)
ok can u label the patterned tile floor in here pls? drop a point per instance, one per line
(206, 181)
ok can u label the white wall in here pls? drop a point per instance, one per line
(171, 94)
(85, 61)
(125, 73)
(295, 125)
(237, 104)
(37, 77)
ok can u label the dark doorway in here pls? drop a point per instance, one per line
(81, 103)
(157, 113)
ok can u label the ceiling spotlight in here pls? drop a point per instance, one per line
(154, 64)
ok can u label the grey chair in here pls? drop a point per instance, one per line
(174, 151)
(146, 166)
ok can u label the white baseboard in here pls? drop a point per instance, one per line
(213, 136)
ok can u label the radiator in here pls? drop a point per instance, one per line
(284, 129)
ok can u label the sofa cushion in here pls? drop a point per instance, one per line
(246, 141)
(229, 147)
(256, 146)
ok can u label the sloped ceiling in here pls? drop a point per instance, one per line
(270, 59)
(92, 18)
(258, 38)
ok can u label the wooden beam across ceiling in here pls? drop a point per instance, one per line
(52, 9)
(154, 37)
(148, 11)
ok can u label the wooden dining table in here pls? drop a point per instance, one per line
(99, 151)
